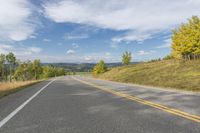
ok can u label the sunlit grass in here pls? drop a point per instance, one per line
(7, 87)
(183, 75)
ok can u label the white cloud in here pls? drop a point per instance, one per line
(70, 59)
(76, 58)
(96, 57)
(46, 40)
(88, 58)
(108, 54)
(136, 17)
(70, 52)
(19, 50)
(32, 36)
(142, 52)
(75, 45)
(30, 53)
(167, 44)
(133, 36)
(114, 45)
(16, 20)
(34, 49)
(75, 36)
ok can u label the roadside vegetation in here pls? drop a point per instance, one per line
(180, 69)
(10, 87)
(166, 73)
(99, 68)
(126, 58)
(15, 74)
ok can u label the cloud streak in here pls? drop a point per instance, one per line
(70, 52)
(141, 19)
(16, 20)
(142, 52)
(167, 44)
(19, 50)
(75, 37)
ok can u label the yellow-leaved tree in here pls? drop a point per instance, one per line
(99, 68)
(186, 40)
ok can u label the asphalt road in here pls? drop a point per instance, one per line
(67, 105)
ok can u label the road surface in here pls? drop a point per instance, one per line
(84, 105)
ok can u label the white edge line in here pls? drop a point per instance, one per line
(12, 114)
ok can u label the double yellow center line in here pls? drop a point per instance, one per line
(173, 111)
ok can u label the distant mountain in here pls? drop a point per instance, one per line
(81, 67)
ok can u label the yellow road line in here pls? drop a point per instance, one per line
(149, 103)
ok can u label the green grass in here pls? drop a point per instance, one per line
(183, 75)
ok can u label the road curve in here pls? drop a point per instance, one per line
(69, 106)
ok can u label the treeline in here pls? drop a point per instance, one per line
(71, 68)
(12, 69)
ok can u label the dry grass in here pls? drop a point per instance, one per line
(183, 75)
(7, 87)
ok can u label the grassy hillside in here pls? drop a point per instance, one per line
(169, 73)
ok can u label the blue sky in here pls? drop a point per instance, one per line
(90, 30)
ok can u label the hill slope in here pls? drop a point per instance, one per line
(169, 73)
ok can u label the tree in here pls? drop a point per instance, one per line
(51, 71)
(60, 71)
(37, 68)
(48, 71)
(126, 58)
(2, 63)
(10, 58)
(28, 70)
(168, 57)
(24, 71)
(99, 68)
(186, 40)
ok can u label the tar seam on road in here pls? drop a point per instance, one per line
(12, 114)
(173, 111)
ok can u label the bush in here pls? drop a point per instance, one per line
(126, 58)
(99, 68)
(168, 57)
